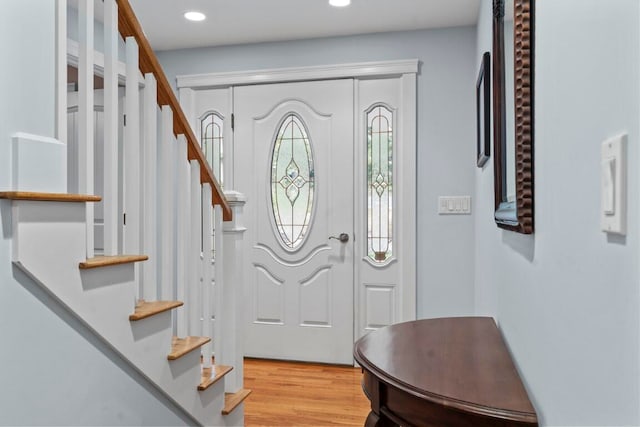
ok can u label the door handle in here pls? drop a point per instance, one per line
(343, 237)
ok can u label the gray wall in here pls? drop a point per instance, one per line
(53, 370)
(446, 135)
(567, 297)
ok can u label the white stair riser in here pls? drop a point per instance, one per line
(236, 418)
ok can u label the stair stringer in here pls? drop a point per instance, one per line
(48, 241)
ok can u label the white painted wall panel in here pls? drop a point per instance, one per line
(269, 301)
(380, 305)
(315, 298)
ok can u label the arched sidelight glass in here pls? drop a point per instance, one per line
(212, 140)
(212, 144)
(379, 183)
(292, 182)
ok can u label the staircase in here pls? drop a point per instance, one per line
(136, 269)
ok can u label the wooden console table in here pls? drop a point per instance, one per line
(442, 372)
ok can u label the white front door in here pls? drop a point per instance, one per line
(293, 158)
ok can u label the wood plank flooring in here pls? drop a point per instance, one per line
(303, 394)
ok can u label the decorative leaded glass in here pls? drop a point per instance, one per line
(379, 183)
(212, 141)
(292, 182)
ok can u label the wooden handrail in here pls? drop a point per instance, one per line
(129, 26)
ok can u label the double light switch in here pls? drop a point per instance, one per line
(454, 205)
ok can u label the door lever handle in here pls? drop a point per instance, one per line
(343, 237)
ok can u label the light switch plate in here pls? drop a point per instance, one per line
(613, 185)
(454, 205)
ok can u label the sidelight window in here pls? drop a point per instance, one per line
(212, 140)
(379, 183)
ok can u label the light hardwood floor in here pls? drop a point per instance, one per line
(303, 394)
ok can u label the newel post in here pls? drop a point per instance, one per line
(233, 304)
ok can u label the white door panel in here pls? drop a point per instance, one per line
(300, 296)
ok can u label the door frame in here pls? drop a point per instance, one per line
(406, 71)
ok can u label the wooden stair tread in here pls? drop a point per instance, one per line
(232, 400)
(146, 309)
(48, 197)
(105, 261)
(182, 346)
(212, 375)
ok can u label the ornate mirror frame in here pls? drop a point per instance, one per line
(509, 214)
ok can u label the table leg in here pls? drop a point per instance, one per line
(378, 420)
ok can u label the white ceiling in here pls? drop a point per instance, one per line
(249, 21)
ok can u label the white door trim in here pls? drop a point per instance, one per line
(281, 75)
(407, 154)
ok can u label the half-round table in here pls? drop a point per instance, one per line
(442, 372)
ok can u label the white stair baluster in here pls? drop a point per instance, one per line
(182, 244)
(150, 208)
(217, 296)
(207, 226)
(132, 164)
(110, 144)
(85, 113)
(166, 181)
(195, 249)
(61, 70)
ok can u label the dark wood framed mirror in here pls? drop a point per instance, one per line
(513, 113)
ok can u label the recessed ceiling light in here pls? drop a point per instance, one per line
(194, 16)
(339, 3)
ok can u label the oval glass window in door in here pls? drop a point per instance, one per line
(292, 182)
